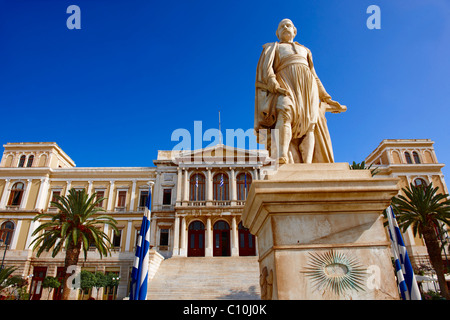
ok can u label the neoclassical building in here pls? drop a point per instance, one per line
(197, 201)
(411, 161)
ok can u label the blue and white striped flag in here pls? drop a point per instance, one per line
(139, 273)
(406, 280)
(245, 186)
(221, 180)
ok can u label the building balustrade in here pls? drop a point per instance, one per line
(12, 207)
(212, 203)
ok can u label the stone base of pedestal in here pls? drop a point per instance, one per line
(320, 233)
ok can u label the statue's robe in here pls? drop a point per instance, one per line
(298, 77)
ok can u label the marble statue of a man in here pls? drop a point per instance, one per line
(291, 98)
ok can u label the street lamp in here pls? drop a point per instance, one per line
(4, 252)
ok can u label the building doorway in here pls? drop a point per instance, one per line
(196, 239)
(221, 236)
(36, 284)
(57, 292)
(247, 246)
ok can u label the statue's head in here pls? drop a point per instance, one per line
(286, 31)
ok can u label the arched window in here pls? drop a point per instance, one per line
(243, 181)
(30, 161)
(6, 232)
(221, 187)
(408, 157)
(416, 157)
(197, 187)
(16, 194)
(419, 182)
(221, 225)
(22, 161)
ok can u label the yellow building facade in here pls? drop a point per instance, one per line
(197, 202)
(411, 161)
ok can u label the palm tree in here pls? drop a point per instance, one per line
(4, 275)
(75, 227)
(423, 209)
(362, 166)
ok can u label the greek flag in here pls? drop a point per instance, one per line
(245, 186)
(221, 180)
(139, 273)
(406, 280)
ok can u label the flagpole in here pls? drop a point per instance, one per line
(406, 279)
(139, 273)
(220, 130)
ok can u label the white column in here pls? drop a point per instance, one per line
(176, 237)
(16, 235)
(24, 201)
(33, 226)
(157, 203)
(153, 229)
(5, 194)
(179, 183)
(106, 230)
(129, 230)
(68, 186)
(42, 195)
(110, 196)
(185, 185)
(183, 246)
(209, 186)
(234, 238)
(233, 195)
(89, 188)
(133, 195)
(209, 239)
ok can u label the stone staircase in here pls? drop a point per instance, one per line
(206, 278)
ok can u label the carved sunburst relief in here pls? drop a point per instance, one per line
(335, 271)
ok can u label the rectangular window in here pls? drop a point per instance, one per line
(192, 241)
(200, 241)
(121, 200)
(100, 194)
(55, 194)
(167, 197)
(143, 198)
(116, 239)
(164, 237)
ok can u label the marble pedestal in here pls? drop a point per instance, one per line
(320, 233)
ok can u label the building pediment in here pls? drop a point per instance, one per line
(217, 154)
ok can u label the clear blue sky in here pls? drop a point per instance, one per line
(112, 93)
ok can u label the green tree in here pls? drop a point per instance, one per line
(50, 282)
(423, 209)
(100, 281)
(4, 274)
(112, 282)
(87, 280)
(76, 227)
